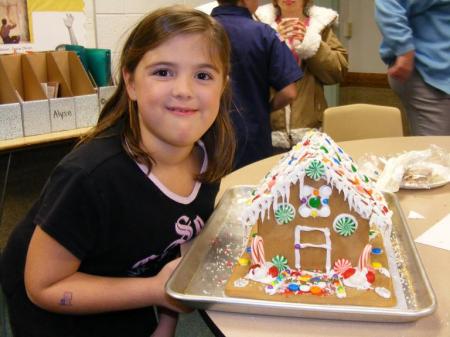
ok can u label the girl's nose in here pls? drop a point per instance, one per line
(182, 86)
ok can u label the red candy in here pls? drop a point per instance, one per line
(370, 276)
(273, 271)
(349, 272)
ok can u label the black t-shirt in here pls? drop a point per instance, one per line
(101, 206)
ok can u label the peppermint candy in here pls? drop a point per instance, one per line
(341, 265)
(345, 224)
(285, 213)
(280, 262)
(315, 170)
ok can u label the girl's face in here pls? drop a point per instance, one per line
(291, 6)
(178, 89)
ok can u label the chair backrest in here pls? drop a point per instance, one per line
(361, 121)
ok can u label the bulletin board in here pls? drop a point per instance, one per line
(36, 25)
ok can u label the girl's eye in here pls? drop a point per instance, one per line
(162, 72)
(204, 76)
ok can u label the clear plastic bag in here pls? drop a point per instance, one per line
(412, 170)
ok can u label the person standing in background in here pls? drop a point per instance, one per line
(259, 61)
(416, 48)
(308, 31)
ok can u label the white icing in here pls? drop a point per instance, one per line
(305, 288)
(241, 283)
(326, 245)
(358, 280)
(384, 272)
(383, 292)
(272, 289)
(261, 274)
(307, 192)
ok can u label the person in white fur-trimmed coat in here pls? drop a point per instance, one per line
(308, 31)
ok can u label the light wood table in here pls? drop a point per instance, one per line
(433, 204)
(24, 142)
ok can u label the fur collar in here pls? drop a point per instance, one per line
(320, 18)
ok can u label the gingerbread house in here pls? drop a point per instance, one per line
(314, 214)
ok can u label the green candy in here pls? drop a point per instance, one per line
(314, 202)
(285, 213)
(315, 170)
(280, 262)
(345, 226)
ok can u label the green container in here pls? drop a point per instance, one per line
(99, 65)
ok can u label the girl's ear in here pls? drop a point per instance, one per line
(129, 84)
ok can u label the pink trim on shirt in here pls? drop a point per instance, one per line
(176, 197)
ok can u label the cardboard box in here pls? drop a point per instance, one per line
(75, 82)
(27, 91)
(10, 121)
(104, 94)
(35, 105)
(10, 111)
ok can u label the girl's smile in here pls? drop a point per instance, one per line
(181, 110)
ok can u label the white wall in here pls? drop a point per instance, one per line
(109, 22)
(363, 44)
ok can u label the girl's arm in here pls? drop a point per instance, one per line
(283, 97)
(167, 324)
(52, 282)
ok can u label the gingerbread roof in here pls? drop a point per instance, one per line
(318, 157)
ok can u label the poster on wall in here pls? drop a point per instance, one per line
(37, 25)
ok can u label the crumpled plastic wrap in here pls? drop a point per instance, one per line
(411, 170)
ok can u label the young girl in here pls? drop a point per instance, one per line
(93, 255)
(308, 31)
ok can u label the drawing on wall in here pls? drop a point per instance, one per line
(36, 25)
(68, 28)
(14, 17)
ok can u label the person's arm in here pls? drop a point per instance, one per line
(52, 282)
(68, 22)
(167, 324)
(391, 17)
(330, 63)
(283, 97)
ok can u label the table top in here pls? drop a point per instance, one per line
(433, 204)
(23, 142)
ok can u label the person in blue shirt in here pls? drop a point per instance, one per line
(259, 61)
(416, 47)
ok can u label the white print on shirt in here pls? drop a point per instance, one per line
(184, 228)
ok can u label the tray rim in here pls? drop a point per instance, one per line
(375, 314)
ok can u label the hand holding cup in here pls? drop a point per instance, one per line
(291, 29)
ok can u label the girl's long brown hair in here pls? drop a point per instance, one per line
(152, 31)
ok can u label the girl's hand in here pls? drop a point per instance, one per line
(163, 277)
(291, 28)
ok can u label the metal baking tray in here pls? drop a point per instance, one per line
(200, 278)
